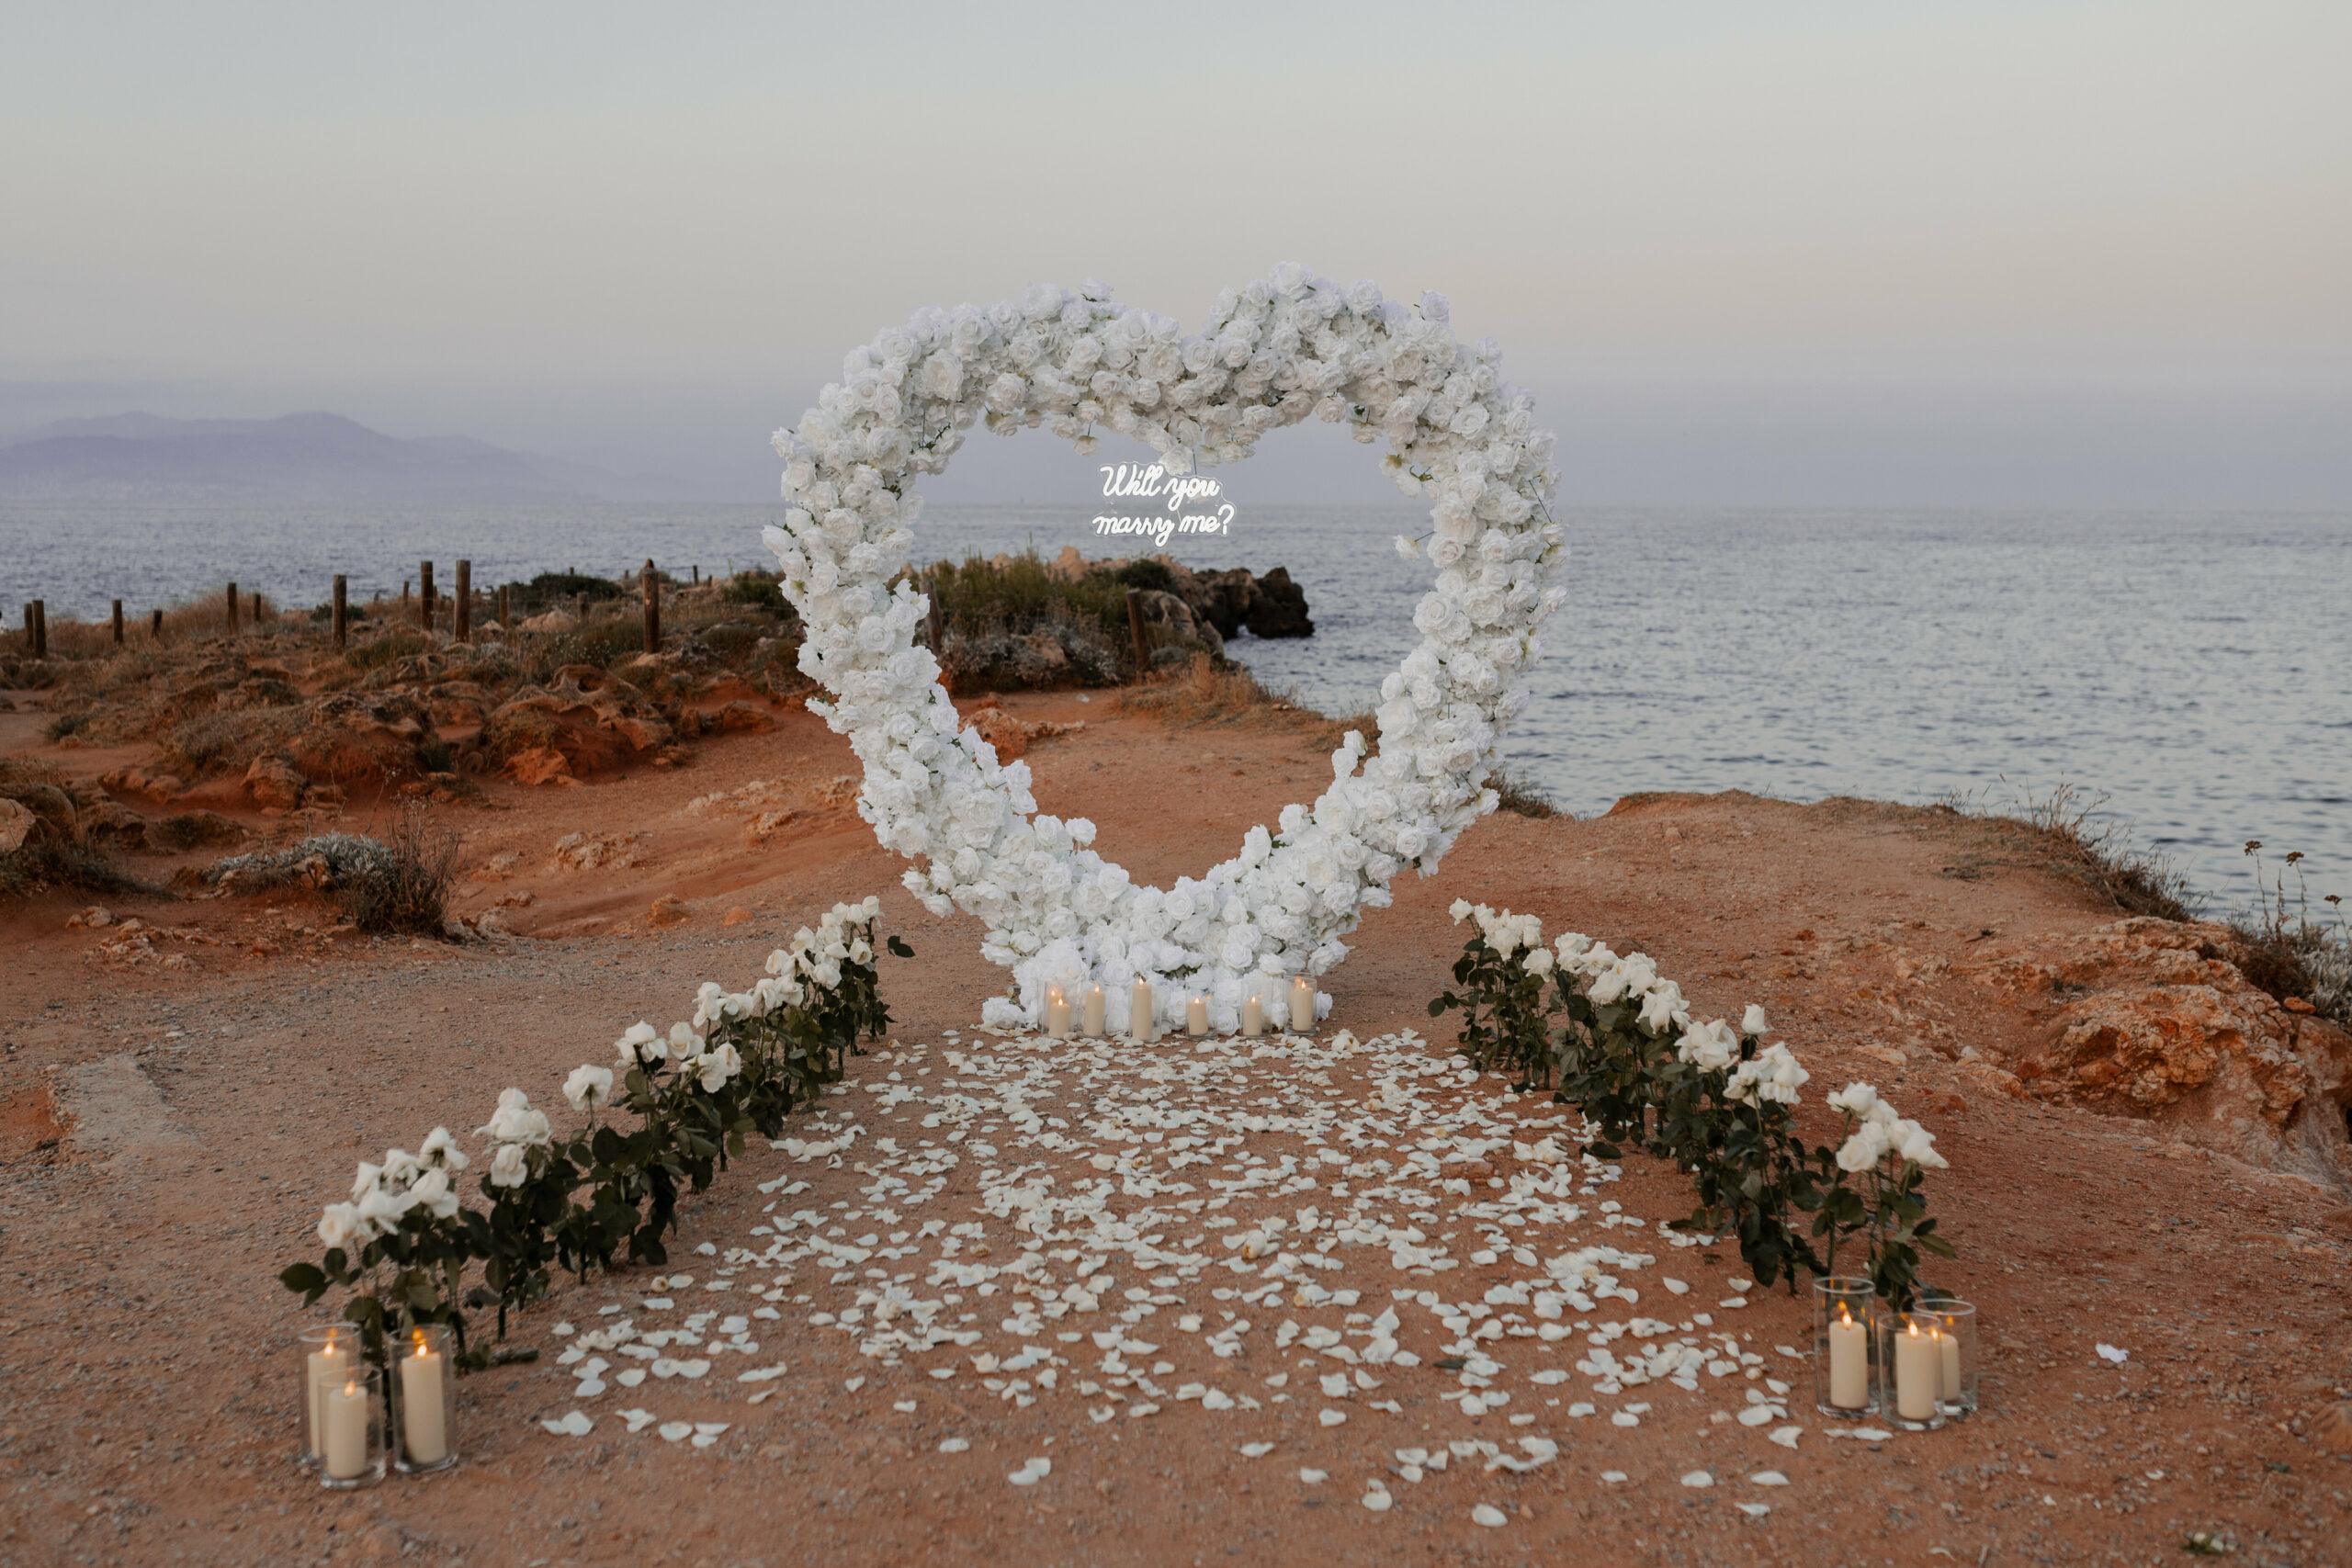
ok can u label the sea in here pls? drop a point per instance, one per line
(2189, 674)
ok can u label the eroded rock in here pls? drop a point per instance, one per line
(2155, 1018)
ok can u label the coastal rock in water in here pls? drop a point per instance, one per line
(1278, 607)
(2156, 1018)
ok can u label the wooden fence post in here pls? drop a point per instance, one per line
(117, 622)
(155, 625)
(938, 614)
(1134, 624)
(580, 606)
(341, 613)
(505, 615)
(232, 609)
(652, 608)
(424, 595)
(36, 627)
(462, 618)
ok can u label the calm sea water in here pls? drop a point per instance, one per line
(2196, 669)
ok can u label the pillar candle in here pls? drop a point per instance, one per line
(1092, 1026)
(1302, 1005)
(1057, 1012)
(424, 1415)
(347, 1429)
(1918, 1372)
(1849, 1363)
(1951, 1364)
(1196, 1016)
(327, 1370)
(1253, 1016)
(1140, 1022)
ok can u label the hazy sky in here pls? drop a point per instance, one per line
(1783, 253)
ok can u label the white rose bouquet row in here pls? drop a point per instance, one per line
(1711, 1097)
(580, 1199)
(1273, 353)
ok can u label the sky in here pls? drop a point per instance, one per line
(2035, 255)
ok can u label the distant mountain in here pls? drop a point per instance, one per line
(300, 457)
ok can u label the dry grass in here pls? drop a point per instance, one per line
(182, 622)
(1202, 692)
(1525, 797)
(2059, 832)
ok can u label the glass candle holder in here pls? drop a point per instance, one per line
(1845, 1308)
(1911, 1371)
(424, 1402)
(327, 1353)
(1957, 1320)
(1302, 1005)
(351, 1429)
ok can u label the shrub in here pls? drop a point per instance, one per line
(2286, 951)
(1520, 796)
(764, 590)
(600, 643)
(407, 888)
(378, 651)
(1710, 1099)
(401, 1249)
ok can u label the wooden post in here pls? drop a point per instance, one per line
(232, 609)
(117, 622)
(580, 606)
(1134, 624)
(155, 625)
(506, 613)
(36, 627)
(697, 575)
(652, 608)
(425, 595)
(341, 613)
(462, 618)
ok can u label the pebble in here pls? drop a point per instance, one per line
(1698, 1478)
(953, 1445)
(1310, 1476)
(1377, 1499)
(1768, 1478)
(1487, 1514)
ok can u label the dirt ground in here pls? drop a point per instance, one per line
(170, 1129)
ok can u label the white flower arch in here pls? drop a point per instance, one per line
(1273, 353)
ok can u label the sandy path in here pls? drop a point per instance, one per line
(145, 1347)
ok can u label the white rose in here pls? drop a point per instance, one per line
(340, 1227)
(508, 1167)
(1751, 1023)
(589, 1087)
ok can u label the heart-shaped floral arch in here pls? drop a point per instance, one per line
(1058, 914)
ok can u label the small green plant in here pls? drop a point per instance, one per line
(405, 1245)
(1710, 1099)
(377, 652)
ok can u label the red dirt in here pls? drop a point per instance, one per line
(145, 1354)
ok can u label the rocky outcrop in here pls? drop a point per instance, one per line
(1235, 601)
(359, 737)
(1011, 736)
(592, 722)
(2156, 1018)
